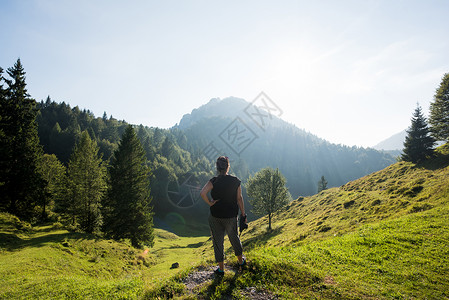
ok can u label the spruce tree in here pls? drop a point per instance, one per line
(322, 184)
(439, 111)
(86, 174)
(53, 172)
(3, 143)
(128, 208)
(21, 185)
(418, 143)
(2, 90)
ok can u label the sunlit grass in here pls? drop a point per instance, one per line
(45, 262)
(383, 236)
(407, 257)
(169, 249)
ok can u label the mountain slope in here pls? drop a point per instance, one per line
(394, 142)
(400, 189)
(267, 140)
(383, 236)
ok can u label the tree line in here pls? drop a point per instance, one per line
(171, 159)
(422, 134)
(87, 193)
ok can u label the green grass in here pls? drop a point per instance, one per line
(170, 248)
(402, 258)
(407, 258)
(383, 236)
(45, 262)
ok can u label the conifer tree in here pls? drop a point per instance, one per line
(86, 185)
(439, 111)
(2, 115)
(2, 90)
(53, 172)
(418, 143)
(128, 208)
(167, 147)
(21, 185)
(267, 192)
(322, 184)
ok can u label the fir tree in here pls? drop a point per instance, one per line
(86, 185)
(128, 209)
(322, 184)
(53, 172)
(439, 111)
(167, 147)
(21, 185)
(2, 90)
(418, 143)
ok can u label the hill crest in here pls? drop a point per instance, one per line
(399, 189)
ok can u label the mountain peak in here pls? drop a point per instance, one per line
(228, 107)
(395, 142)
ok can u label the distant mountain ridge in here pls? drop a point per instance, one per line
(267, 140)
(394, 142)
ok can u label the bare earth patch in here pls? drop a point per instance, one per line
(198, 278)
(258, 294)
(205, 275)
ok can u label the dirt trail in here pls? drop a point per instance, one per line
(204, 276)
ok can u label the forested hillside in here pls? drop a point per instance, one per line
(181, 159)
(301, 156)
(60, 127)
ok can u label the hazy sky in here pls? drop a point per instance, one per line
(348, 71)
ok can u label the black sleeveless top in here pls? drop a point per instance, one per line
(225, 190)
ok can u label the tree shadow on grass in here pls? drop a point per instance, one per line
(195, 245)
(261, 239)
(8, 240)
(439, 160)
(12, 242)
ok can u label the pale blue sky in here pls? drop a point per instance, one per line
(348, 71)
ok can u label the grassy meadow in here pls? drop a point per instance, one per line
(383, 236)
(45, 262)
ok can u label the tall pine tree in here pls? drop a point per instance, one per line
(21, 185)
(418, 143)
(128, 208)
(86, 185)
(439, 111)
